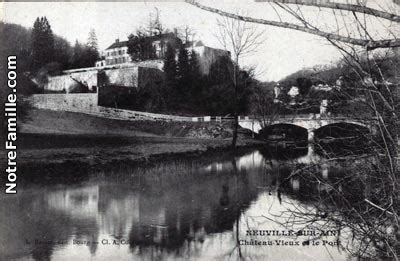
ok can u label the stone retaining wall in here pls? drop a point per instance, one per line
(127, 77)
(68, 83)
(79, 102)
(87, 103)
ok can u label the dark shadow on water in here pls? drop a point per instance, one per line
(279, 153)
(165, 204)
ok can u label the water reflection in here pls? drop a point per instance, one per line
(177, 209)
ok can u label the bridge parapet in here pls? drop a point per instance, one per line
(310, 122)
(310, 116)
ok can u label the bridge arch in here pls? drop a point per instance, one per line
(287, 131)
(342, 129)
(343, 137)
(346, 122)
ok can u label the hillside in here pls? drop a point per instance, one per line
(16, 40)
(58, 122)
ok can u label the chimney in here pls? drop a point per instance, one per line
(117, 40)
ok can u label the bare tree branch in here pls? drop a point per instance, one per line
(369, 44)
(341, 6)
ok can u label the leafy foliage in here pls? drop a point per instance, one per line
(83, 56)
(140, 47)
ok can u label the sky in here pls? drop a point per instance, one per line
(282, 52)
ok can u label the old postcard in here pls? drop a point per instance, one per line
(200, 130)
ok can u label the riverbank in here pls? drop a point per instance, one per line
(94, 150)
(57, 137)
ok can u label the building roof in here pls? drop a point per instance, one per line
(119, 44)
(163, 36)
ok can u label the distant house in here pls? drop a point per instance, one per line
(117, 53)
(322, 87)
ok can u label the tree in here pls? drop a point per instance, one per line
(196, 80)
(42, 43)
(140, 46)
(241, 39)
(158, 26)
(183, 75)
(170, 70)
(218, 92)
(85, 55)
(134, 47)
(62, 52)
(77, 54)
(154, 25)
(91, 53)
(92, 40)
(304, 85)
(186, 33)
(194, 66)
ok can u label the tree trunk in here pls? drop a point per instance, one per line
(236, 120)
(235, 131)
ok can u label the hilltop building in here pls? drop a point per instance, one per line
(207, 55)
(117, 53)
(119, 69)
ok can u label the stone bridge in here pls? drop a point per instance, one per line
(310, 122)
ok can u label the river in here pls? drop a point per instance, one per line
(215, 207)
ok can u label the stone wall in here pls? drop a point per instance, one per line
(68, 83)
(149, 76)
(127, 77)
(207, 56)
(75, 102)
(87, 103)
(117, 97)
